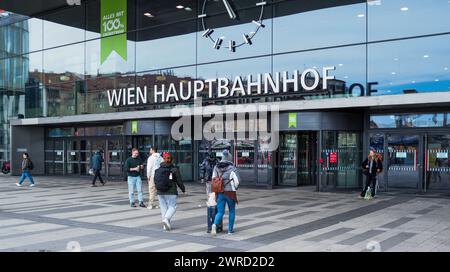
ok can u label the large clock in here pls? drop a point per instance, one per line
(231, 43)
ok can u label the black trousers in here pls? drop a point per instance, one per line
(97, 174)
(372, 182)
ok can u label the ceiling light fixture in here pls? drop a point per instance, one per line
(404, 9)
(180, 7)
(148, 14)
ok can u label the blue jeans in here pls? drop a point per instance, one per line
(221, 200)
(135, 182)
(168, 206)
(211, 216)
(26, 174)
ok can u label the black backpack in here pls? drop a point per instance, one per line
(162, 179)
(30, 164)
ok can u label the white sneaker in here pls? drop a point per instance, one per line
(167, 224)
(150, 207)
(32, 185)
(18, 185)
(213, 230)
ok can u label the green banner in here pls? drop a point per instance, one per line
(292, 120)
(134, 127)
(113, 28)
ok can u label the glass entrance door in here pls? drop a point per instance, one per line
(288, 160)
(298, 159)
(114, 157)
(437, 175)
(403, 161)
(72, 156)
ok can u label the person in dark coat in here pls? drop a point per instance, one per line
(371, 167)
(96, 166)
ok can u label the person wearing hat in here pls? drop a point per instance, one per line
(167, 179)
(228, 172)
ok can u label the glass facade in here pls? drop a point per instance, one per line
(52, 66)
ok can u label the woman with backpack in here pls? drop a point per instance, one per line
(167, 179)
(27, 165)
(225, 183)
(371, 167)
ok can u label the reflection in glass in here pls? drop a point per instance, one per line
(350, 69)
(438, 162)
(316, 25)
(341, 159)
(410, 66)
(155, 49)
(398, 18)
(407, 120)
(403, 161)
(64, 27)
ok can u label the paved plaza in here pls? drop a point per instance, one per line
(66, 214)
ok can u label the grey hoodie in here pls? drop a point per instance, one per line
(225, 169)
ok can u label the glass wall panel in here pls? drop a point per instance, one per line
(399, 18)
(97, 92)
(301, 25)
(410, 66)
(65, 99)
(152, 13)
(64, 64)
(407, 120)
(350, 76)
(64, 27)
(157, 48)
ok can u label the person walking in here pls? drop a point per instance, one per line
(371, 166)
(226, 171)
(96, 166)
(153, 163)
(206, 172)
(27, 166)
(167, 179)
(133, 166)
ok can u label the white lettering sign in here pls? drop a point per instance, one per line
(222, 87)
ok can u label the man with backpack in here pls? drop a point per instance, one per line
(371, 166)
(167, 178)
(27, 165)
(153, 163)
(225, 184)
(96, 166)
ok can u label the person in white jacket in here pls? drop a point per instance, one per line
(153, 162)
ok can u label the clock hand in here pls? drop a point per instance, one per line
(229, 9)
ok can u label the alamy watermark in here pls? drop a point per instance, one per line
(230, 123)
(74, 2)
